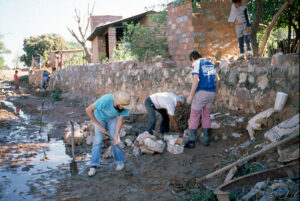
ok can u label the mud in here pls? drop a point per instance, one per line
(37, 166)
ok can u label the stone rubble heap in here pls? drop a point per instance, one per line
(144, 143)
(286, 190)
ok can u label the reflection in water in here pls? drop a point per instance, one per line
(17, 111)
(22, 166)
(73, 167)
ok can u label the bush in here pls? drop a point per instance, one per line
(199, 194)
(56, 95)
(102, 57)
(24, 79)
(144, 41)
(122, 53)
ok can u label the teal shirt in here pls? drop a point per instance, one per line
(105, 108)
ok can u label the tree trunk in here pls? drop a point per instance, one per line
(271, 25)
(255, 26)
(296, 41)
(88, 55)
(289, 35)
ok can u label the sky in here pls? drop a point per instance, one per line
(20, 19)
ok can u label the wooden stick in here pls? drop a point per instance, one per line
(267, 148)
(41, 119)
(72, 132)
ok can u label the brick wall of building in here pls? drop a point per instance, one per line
(112, 40)
(180, 32)
(98, 47)
(203, 29)
(213, 35)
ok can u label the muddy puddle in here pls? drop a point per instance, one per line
(30, 160)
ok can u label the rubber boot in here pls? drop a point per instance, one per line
(191, 139)
(205, 137)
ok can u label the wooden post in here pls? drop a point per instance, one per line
(266, 149)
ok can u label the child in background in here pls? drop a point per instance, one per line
(239, 16)
(16, 80)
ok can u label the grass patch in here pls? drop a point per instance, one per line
(249, 169)
(199, 194)
(56, 95)
(24, 79)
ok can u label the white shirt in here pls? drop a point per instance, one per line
(165, 100)
(237, 13)
(195, 66)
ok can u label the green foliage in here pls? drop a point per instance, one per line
(199, 194)
(71, 45)
(24, 79)
(42, 45)
(3, 51)
(102, 56)
(76, 59)
(270, 7)
(121, 53)
(56, 95)
(145, 42)
(249, 169)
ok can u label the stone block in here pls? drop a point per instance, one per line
(285, 128)
(263, 82)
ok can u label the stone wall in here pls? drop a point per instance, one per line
(35, 77)
(204, 29)
(247, 86)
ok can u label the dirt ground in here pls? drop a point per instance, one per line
(35, 163)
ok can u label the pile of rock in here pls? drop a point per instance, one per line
(78, 134)
(274, 190)
(149, 144)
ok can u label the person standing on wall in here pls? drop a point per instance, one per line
(107, 114)
(240, 17)
(165, 103)
(202, 95)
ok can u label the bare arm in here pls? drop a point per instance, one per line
(90, 111)
(217, 83)
(174, 123)
(217, 86)
(193, 89)
(118, 128)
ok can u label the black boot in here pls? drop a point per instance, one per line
(189, 144)
(205, 138)
(192, 138)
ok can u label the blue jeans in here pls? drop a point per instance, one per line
(44, 82)
(165, 125)
(241, 43)
(110, 125)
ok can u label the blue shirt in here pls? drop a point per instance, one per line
(207, 75)
(105, 108)
(46, 74)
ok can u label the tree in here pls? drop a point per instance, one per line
(291, 19)
(73, 45)
(3, 51)
(255, 27)
(41, 45)
(268, 13)
(81, 39)
(271, 26)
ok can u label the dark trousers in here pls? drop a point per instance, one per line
(241, 43)
(164, 125)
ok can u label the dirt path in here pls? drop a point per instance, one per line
(26, 175)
